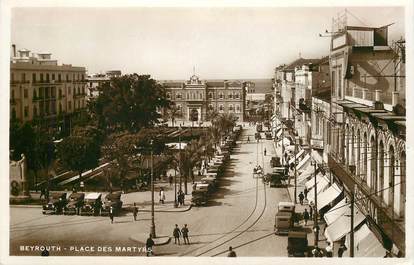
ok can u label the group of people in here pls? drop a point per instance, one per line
(328, 252)
(303, 196)
(180, 197)
(183, 232)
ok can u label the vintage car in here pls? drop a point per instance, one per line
(56, 203)
(199, 197)
(75, 202)
(297, 244)
(92, 204)
(275, 180)
(284, 219)
(112, 200)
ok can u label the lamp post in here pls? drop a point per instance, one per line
(152, 193)
(315, 215)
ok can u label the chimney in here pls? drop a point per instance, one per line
(14, 50)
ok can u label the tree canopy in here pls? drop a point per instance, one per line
(129, 102)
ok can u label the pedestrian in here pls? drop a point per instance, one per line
(232, 253)
(170, 179)
(162, 196)
(176, 234)
(328, 250)
(306, 193)
(306, 216)
(342, 248)
(184, 232)
(148, 245)
(111, 214)
(264, 152)
(248, 139)
(179, 197)
(135, 211)
(42, 193)
(301, 196)
(183, 198)
(310, 211)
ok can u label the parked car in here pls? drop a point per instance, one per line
(92, 204)
(275, 162)
(199, 197)
(75, 202)
(112, 200)
(56, 202)
(284, 219)
(297, 244)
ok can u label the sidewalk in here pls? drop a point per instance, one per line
(322, 243)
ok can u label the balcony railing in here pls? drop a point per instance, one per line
(390, 98)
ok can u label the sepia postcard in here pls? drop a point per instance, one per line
(199, 132)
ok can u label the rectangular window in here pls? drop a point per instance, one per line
(12, 77)
(70, 105)
(47, 78)
(53, 76)
(67, 77)
(23, 77)
(41, 77)
(34, 77)
(333, 83)
(26, 93)
(59, 77)
(26, 111)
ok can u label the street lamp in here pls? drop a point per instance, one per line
(152, 192)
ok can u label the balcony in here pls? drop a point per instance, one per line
(367, 97)
(392, 227)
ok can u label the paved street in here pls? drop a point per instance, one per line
(240, 214)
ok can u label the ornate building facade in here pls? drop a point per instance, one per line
(199, 98)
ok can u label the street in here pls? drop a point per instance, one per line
(239, 214)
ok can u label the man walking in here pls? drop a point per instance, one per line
(162, 196)
(301, 197)
(184, 231)
(306, 216)
(232, 253)
(176, 234)
(111, 214)
(135, 211)
(148, 245)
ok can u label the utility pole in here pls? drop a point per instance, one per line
(351, 251)
(152, 192)
(315, 215)
(296, 173)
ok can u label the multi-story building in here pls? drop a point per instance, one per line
(198, 98)
(367, 149)
(94, 81)
(42, 89)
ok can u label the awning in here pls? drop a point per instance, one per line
(311, 182)
(328, 196)
(342, 225)
(317, 156)
(301, 166)
(337, 211)
(298, 155)
(366, 243)
(321, 186)
(308, 172)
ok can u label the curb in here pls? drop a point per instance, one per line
(25, 206)
(169, 211)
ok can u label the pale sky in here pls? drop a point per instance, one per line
(167, 42)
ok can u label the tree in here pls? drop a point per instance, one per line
(129, 102)
(79, 153)
(174, 112)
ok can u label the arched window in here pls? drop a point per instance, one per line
(237, 108)
(391, 176)
(358, 154)
(221, 108)
(210, 95)
(381, 158)
(402, 184)
(373, 176)
(365, 158)
(221, 96)
(230, 108)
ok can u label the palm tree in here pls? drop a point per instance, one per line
(173, 113)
